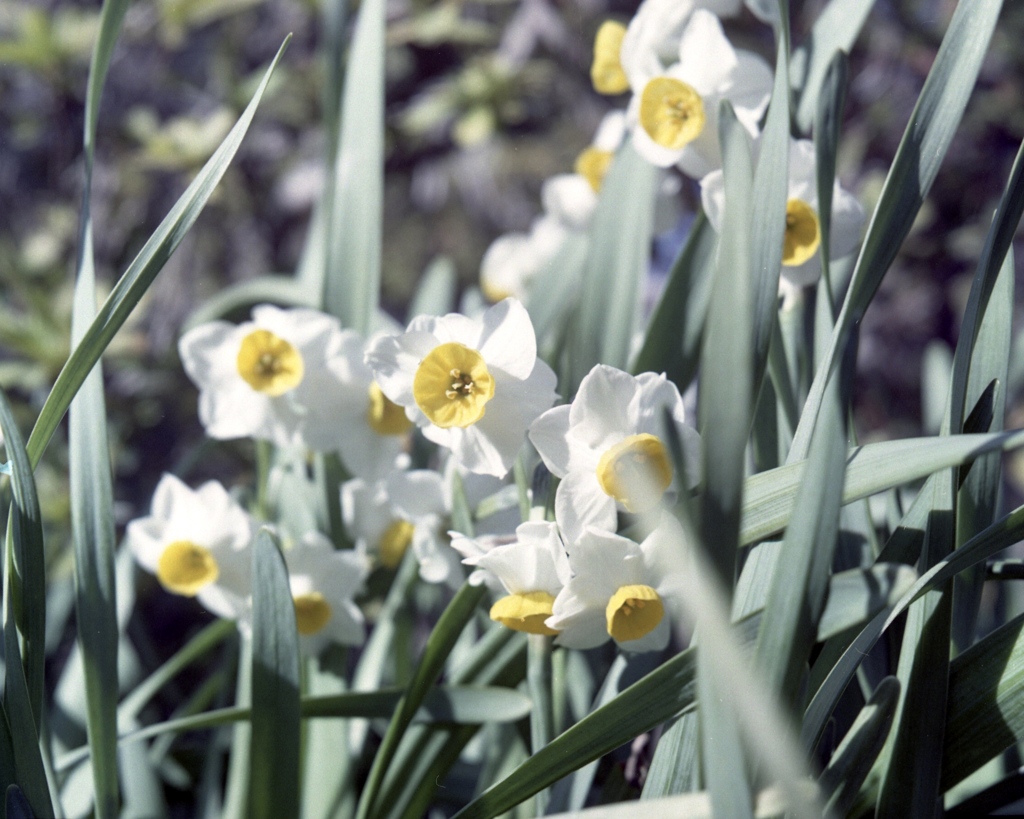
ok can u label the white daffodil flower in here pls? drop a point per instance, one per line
(197, 543)
(373, 431)
(512, 261)
(607, 448)
(271, 378)
(323, 581)
(621, 590)
(801, 262)
(674, 112)
(373, 523)
(532, 571)
(471, 385)
(473, 549)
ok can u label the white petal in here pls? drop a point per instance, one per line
(570, 198)
(606, 408)
(706, 57)
(847, 223)
(416, 494)
(580, 502)
(507, 340)
(549, 435)
(394, 361)
(712, 198)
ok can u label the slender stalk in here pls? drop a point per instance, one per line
(538, 677)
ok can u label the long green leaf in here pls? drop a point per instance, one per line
(438, 647)
(836, 29)
(24, 588)
(274, 754)
(138, 277)
(92, 500)
(768, 497)
(355, 196)
(921, 151)
(674, 334)
(827, 121)
(617, 257)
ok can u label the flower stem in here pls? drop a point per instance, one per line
(538, 676)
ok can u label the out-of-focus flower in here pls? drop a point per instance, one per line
(372, 521)
(471, 385)
(271, 378)
(651, 42)
(513, 261)
(532, 570)
(373, 430)
(801, 262)
(197, 543)
(621, 590)
(323, 581)
(674, 112)
(606, 448)
(606, 69)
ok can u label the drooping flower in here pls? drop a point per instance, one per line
(323, 582)
(621, 590)
(271, 378)
(674, 112)
(471, 385)
(801, 262)
(608, 449)
(532, 571)
(514, 260)
(197, 543)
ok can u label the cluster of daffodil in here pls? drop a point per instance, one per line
(676, 63)
(474, 387)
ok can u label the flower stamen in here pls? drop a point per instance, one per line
(636, 472)
(269, 364)
(452, 386)
(803, 233)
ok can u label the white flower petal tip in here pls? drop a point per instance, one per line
(473, 385)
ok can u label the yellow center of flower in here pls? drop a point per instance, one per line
(312, 612)
(452, 386)
(526, 611)
(493, 292)
(606, 71)
(269, 364)
(633, 612)
(592, 164)
(671, 112)
(185, 568)
(384, 415)
(802, 233)
(636, 472)
(393, 543)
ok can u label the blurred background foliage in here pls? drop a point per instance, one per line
(485, 100)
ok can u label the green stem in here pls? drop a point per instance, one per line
(538, 677)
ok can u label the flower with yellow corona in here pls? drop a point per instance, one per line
(673, 113)
(197, 543)
(608, 448)
(323, 582)
(471, 385)
(801, 258)
(621, 590)
(532, 571)
(272, 378)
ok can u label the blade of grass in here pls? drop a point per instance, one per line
(274, 753)
(138, 277)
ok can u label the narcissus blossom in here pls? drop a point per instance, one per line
(197, 543)
(323, 581)
(532, 570)
(608, 449)
(271, 378)
(471, 385)
(674, 112)
(801, 261)
(621, 590)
